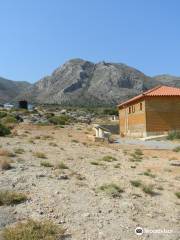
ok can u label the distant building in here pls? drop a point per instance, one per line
(153, 112)
(23, 104)
(8, 106)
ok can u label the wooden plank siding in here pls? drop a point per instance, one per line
(162, 114)
(133, 122)
(158, 115)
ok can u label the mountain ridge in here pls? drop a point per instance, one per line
(81, 82)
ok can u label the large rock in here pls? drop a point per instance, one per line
(80, 82)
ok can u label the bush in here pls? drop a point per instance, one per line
(34, 230)
(111, 189)
(173, 135)
(19, 150)
(3, 114)
(109, 158)
(59, 120)
(110, 111)
(11, 198)
(61, 165)
(136, 156)
(148, 189)
(46, 164)
(149, 174)
(9, 120)
(176, 149)
(96, 163)
(136, 183)
(4, 130)
(39, 155)
(177, 194)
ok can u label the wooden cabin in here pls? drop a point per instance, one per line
(154, 112)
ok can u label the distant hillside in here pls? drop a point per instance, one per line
(168, 80)
(80, 82)
(10, 89)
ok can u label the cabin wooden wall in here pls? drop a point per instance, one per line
(162, 114)
(134, 120)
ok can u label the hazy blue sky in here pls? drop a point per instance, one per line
(36, 36)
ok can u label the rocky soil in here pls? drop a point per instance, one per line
(70, 197)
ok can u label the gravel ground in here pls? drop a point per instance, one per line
(151, 144)
(70, 197)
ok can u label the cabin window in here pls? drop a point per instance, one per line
(133, 109)
(129, 110)
(141, 106)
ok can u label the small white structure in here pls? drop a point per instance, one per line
(8, 106)
(101, 133)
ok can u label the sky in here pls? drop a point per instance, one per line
(37, 36)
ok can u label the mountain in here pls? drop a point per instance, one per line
(168, 80)
(10, 89)
(80, 82)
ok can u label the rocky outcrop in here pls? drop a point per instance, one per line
(80, 82)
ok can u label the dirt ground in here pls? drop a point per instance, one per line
(71, 196)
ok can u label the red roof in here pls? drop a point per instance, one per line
(155, 92)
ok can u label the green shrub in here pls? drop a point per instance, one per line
(136, 156)
(9, 120)
(176, 149)
(173, 135)
(61, 165)
(11, 198)
(148, 189)
(34, 230)
(111, 189)
(39, 155)
(110, 111)
(109, 159)
(177, 194)
(59, 120)
(4, 130)
(3, 114)
(138, 152)
(46, 164)
(19, 150)
(136, 183)
(149, 174)
(96, 163)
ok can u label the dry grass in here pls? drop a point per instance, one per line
(149, 174)
(11, 197)
(111, 189)
(40, 155)
(34, 230)
(19, 150)
(5, 164)
(136, 183)
(148, 189)
(61, 165)
(6, 153)
(46, 164)
(53, 144)
(176, 149)
(108, 158)
(96, 163)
